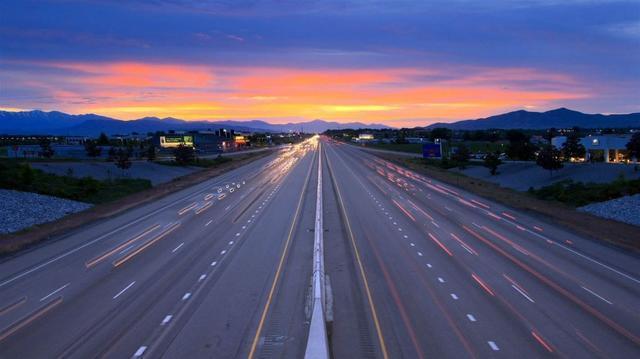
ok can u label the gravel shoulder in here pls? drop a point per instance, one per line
(625, 209)
(20, 210)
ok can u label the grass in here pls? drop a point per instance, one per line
(474, 146)
(482, 146)
(200, 162)
(47, 160)
(579, 194)
(404, 147)
(20, 176)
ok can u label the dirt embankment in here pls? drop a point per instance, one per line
(13, 242)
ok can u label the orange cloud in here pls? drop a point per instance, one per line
(397, 96)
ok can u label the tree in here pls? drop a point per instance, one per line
(440, 132)
(26, 175)
(572, 148)
(462, 155)
(46, 150)
(492, 161)
(184, 154)
(103, 139)
(550, 159)
(633, 147)
(519, 146)
(151, 153)
(92, 149)
(112, 154)
(401, 138)
(122, 159)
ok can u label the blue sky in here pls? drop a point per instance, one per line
(397, 62)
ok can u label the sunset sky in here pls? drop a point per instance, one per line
(401, 63)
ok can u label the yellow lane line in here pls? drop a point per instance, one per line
(276, 279)
(372, 306)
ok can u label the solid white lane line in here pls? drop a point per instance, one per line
(522, 292)
(124, 290)
(493, 346)
(166, 319)
(576, 253)
(594, 261)
(54, 292)
(455, 297)
(178, 247)
(596, 294)
(186, 296)
(471, 317)
(139, 352)
(213, 264)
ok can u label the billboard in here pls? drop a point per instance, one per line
(172, 141)
(432, 150)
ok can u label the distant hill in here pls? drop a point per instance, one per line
(315, 126)
(59, 123)
(558, 118)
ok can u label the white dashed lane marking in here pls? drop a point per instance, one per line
(167, 319)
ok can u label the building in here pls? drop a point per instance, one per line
(203, 141)
(607, 148)
(172, 141)
(417, 140)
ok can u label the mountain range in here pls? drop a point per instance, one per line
(60, 123)
(558, 118)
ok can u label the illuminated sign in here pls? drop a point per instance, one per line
(432, 150)
(240, 140)
(172, 141)
(365, 136)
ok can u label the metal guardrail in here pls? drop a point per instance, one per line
(317, 342)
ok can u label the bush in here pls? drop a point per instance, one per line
(22, 177)
(579, 194)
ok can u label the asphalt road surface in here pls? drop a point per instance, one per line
(416, 269)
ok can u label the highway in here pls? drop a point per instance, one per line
(416, 269)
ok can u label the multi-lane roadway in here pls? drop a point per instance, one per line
(415, 269)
